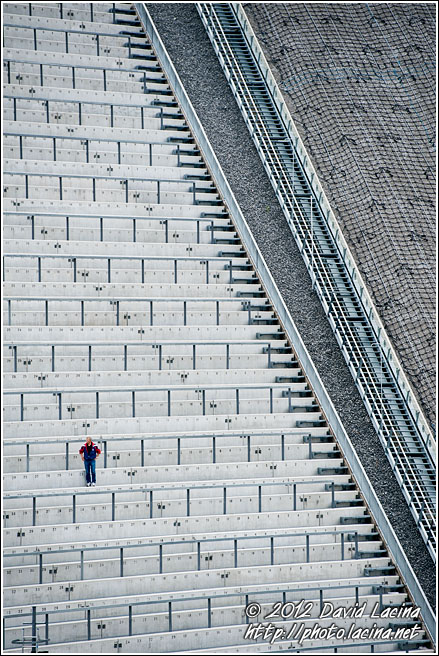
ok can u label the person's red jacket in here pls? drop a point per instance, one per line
(90, 454)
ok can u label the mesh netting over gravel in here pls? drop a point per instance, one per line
(359, 80)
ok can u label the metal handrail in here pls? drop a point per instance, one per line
(245, 302)
(132, 390)
(156, 344)
(142, 438)
(346, 536)
(148, 491)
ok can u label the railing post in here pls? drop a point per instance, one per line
(88, 624)
(34, 629)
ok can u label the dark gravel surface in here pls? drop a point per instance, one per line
(194, 58)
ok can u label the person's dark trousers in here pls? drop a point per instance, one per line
(90, 469)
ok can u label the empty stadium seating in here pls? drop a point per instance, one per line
(133, 314)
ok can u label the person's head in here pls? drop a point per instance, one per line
(88, 440)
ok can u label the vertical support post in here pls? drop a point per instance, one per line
(209, 612)
(88, 624)
(34, 629)
(34, 511)
(188, 502)
(82, 564)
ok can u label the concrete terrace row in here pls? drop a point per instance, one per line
(133, 314)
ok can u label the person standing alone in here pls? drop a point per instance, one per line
(89, 452)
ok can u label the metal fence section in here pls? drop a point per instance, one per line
(383, 387)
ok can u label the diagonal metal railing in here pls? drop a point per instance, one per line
(385, 391)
